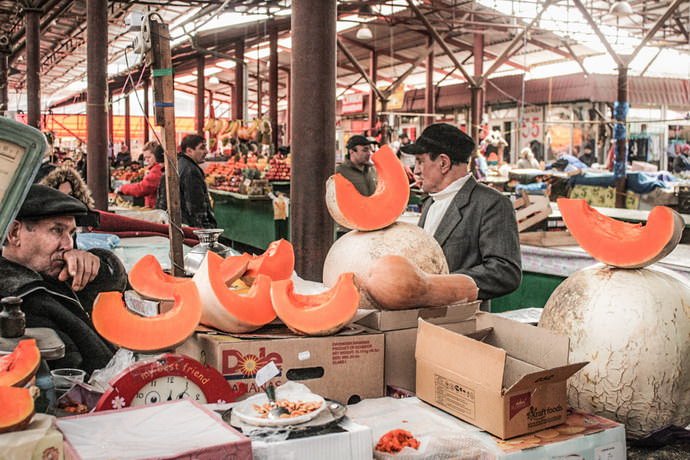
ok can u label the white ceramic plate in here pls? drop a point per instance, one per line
(245, 410)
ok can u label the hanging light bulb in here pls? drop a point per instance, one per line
(213, 80)
(364, 33)
(621, 9)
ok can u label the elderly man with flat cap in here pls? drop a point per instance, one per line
(56, 282)
(474, 224)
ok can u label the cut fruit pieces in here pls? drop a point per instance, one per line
(17, 408)
(18, 367)
(149, 280)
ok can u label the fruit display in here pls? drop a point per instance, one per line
(18, 367)
(259, 129)
(279, 168)
(17, 408)
(132, 173)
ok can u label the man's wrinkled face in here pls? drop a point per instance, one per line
(41, 245)
(428, 172)
(361, 155)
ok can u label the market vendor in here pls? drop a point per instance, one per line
(56, 282)
(194, 199)
(148, 187)
(357, 167)
(474, 224)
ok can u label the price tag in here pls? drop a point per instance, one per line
(247, 182)
(266, 373)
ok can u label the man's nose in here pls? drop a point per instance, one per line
(67, 242)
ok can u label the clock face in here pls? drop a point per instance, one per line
(168, 389)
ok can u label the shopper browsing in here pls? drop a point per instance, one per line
(357, 167)
(148, 187)
(474, 224)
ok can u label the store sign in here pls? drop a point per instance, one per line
(532, 125)
(353, 103)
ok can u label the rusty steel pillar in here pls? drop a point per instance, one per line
(238, 91)
(430, 90)
(4, 87)
(621, 154)
(288, 115)
(200, 92)
(273, 84)
(128, 124)
(32, 17)
(145, 110)
(96, 108)
(313, 132)
(477, 91)
(373, 70)
(111, 122)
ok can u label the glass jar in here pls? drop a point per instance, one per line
(208, 241)
(12, 318)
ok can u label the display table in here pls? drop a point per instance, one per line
(130, 250)
(248, 219)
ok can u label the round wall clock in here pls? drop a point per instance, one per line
(166, 378)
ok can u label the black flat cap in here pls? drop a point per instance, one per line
(43, 202)
(442, 138)
(358, 139)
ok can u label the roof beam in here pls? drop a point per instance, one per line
(468, 47)
(575, 56)
(592, 23)
(657, 25)
(361, 70)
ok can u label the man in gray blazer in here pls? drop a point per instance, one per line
(474, 224)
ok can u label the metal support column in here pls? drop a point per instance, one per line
(621, 154)
(111, 122)
(128, 124)
(430, 90)
(4, 74)
(477, 90)
(238, 92)
(273, 84)
(288, 112)
(32, 17)
(96, 108)
(200, 91)
(313, 131)
(145, 110)
(373, 70)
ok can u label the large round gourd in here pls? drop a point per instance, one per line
(634, 327)
(356, 251)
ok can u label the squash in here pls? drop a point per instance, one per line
(18, 367)
(17, 408)
(356, 251)
(634, 328)
(149, 280)
(622, 244)
(277, 262)
(233, 267)
(319, 314)
(396, 283)
(116, 323)
(353, 210)
(226, 310)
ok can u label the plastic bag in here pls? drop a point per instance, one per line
(120, 361)
(441, 446)
(86, 241)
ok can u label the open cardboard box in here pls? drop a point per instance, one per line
(507, 378)
(389, 320)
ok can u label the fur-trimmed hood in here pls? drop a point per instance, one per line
(63, 174)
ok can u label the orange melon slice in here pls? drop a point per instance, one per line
(18, 367)
(277, 262)
(320, 314)
(622, 244)
(233, 267)
(355, 211)
(126, 329)
(17, 408)
(149, 280)
(227, 310)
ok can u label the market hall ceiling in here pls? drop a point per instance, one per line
(399, 37)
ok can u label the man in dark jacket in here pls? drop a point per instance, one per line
(194, 199)
(357, 167)
(57, 283)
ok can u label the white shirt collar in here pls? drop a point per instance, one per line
(451, 189)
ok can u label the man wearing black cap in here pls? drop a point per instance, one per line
(357, 167)
(56, 282)
(474, 224)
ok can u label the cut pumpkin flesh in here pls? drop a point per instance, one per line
(622, 244)
(355, 211)
(227, 310)
(320, 314)
(233, 267)
(149, 280)
(17, 408)
(117, 324)
(277, 262)
(18, 367)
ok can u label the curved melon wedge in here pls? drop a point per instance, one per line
(17, 408)
(149, 280)
(320, 314)
(233, 267)
(226, 310)
(18, 367)
(355, 211)
(622, 244)
(120, 326)
(277, 262)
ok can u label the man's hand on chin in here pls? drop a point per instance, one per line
(81, 266)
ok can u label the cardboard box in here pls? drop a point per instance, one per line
(507, 378)
(388, 320)
(340, 367)
(400, 368)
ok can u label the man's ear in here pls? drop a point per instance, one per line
(13, 233)
(446, 164)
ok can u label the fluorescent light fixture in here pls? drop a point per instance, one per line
(209, 71)
(185, 78)
(364, 33)
(229, 64)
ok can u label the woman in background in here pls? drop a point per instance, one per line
(527, 160)
(148, 187)
(66, 179)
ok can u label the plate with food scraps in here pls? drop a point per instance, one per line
(302, 407)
